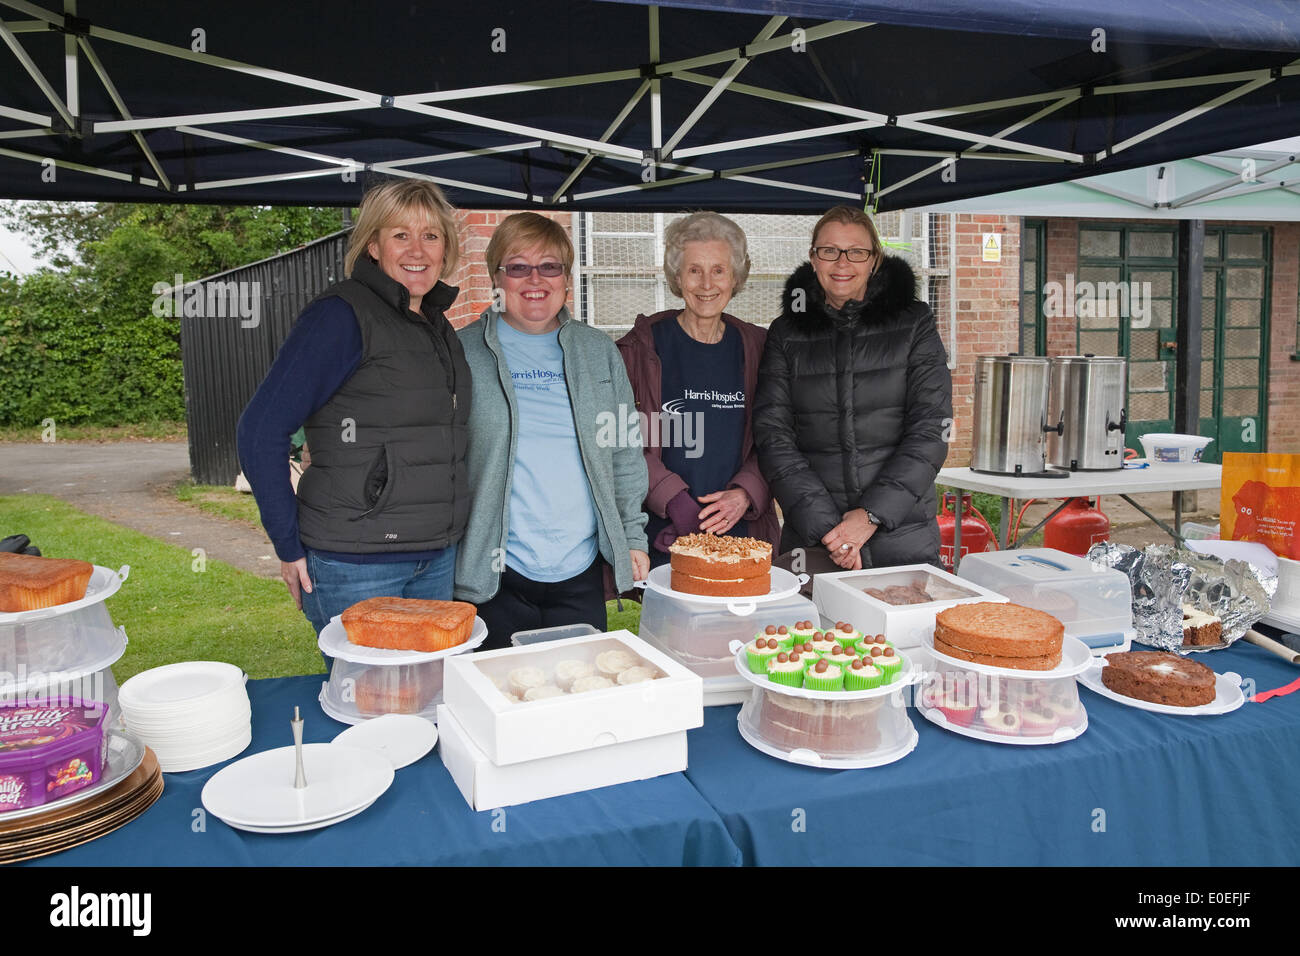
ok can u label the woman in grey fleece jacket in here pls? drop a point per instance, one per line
(524, 353)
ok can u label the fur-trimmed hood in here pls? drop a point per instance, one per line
(891, 289)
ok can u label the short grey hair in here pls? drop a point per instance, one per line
(704, 227)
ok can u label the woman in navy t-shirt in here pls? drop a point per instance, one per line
(694, 371)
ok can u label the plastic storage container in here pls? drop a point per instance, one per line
(70, 642)
(542, 634)
(699, 635)
(828, 733)
(1006, 710)
(1095, 604)
(47, 753)
(368, 682)
(1166, 449)
(356, 692)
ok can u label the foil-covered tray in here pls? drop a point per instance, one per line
(1164, 578)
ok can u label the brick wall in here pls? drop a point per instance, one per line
(1283, 373)
(471, 276)
(988, 310)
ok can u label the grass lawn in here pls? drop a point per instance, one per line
(220, 500)
(174, 612)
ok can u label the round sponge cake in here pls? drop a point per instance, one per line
(1001, 635)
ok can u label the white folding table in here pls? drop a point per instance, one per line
(1196, 476)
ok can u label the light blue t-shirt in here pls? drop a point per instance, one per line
(552, 532)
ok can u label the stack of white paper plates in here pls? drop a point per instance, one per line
(192, 714)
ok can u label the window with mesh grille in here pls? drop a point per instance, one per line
(621, 255)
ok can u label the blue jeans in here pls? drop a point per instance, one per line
(337, 585)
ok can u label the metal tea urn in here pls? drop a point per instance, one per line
(1011, 421)
(1087, 396)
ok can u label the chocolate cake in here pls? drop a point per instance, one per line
(1159, 677)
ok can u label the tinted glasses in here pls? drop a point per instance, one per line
(522, 270)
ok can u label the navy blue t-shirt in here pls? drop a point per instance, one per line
(702, 429)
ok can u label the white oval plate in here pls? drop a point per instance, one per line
(809, 758)
(103, 584)
(334, 641)
(258, 790)
(784, 585)
(300, 827)
(1076, 657)
(183, 685)
(908, 674)
(1228, 695)
(402, 738)
(935, 716)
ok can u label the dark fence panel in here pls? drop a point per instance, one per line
(227, 350)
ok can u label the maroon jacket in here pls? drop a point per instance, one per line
(646, 375)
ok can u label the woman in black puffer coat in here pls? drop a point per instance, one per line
(853, 409)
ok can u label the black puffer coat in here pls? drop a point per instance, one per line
(853, 410)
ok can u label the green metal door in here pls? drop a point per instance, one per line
(1141, 262)
(1234, 340)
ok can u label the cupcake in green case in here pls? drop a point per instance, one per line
(869, 641)
(761, 650)
(889, 663)
(804, 631)
(786, 669)
(840, 656)
(824, 676)
(845, 633)
(862, 675)
(780, 632)
(823, 643)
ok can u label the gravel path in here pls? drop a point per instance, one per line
(129, 483)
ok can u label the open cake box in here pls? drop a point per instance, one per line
(602, 727)
(841, 596)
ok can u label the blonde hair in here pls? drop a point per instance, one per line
(389, 204)
(524, 230)
(704, 227)
(849, 216)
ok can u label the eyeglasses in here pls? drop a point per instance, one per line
(833, 253)
(522, 270)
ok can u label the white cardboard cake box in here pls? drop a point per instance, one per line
(839, 596)
(486, 786)
(510, 732)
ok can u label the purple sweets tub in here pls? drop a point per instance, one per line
(49, 752)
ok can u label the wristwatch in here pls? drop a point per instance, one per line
(873, 519)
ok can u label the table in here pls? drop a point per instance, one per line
(1169, 791)
(422, 819)
(1195, 476)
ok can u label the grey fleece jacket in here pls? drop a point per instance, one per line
(609, 439)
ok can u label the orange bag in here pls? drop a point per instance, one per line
(1260, 501)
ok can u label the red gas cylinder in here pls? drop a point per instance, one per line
(1077, 527)
(976, 533)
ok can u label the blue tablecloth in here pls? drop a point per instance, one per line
(1136, 789)
(421, 820)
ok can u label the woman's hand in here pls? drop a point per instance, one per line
(640, 565)
(724, 509)
(846, 539)
(295, 578)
